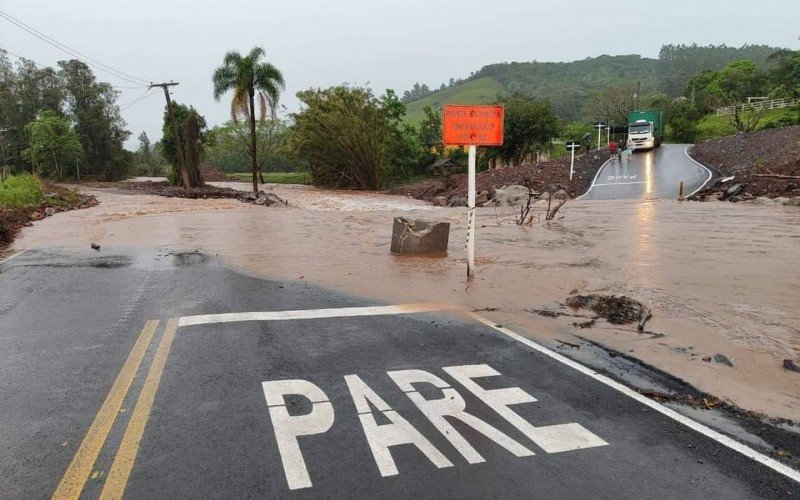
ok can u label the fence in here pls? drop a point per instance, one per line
(784, 102)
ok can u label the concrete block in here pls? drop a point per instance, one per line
(419, 236)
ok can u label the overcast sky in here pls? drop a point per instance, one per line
(393, 44)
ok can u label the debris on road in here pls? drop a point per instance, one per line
(570, 344)
(95, 246)
(419, 236)
(616, 309)
(262, 198)
(723, 360)
(163, 188)
(790, 365)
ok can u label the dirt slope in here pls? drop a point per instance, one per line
(546, 176)
(755, 158)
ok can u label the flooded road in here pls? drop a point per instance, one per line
(654, 174)
(729, 287)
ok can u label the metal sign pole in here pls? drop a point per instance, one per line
(471, 214)
(599, 130)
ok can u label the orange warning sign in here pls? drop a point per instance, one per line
(473, 125)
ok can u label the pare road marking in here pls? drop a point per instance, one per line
(381, 438)
(622, 177)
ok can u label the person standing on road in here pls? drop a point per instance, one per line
(612, 147)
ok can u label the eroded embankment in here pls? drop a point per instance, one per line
(765, 163)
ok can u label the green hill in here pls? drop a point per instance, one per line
(568, 85)
(478, 91)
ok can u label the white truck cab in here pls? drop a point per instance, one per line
(640, 135)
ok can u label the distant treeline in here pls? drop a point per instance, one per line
(569, 85)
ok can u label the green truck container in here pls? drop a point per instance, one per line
(645, 129)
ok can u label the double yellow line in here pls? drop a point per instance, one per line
(76, 475)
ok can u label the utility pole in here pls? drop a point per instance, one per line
(638, 89)
(175, 136)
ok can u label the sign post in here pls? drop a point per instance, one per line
(472, 126)
(599, 126)
(572, 145)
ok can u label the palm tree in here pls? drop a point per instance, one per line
(247, 77)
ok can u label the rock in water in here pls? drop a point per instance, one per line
(723, 360)
(419, 236)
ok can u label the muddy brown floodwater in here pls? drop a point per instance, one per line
(720, 278)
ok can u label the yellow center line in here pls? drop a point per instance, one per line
(77, 473)
(126, 455)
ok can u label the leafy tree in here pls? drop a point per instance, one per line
(344, 134)
(92, 107)
(613, 104)
(229, 146)
(249, 77)
(528, 122)
(784, 73)
(54, 146)
(191, 134)
(147, 160)
(574, 131)
(430, 130)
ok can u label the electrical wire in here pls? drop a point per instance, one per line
(42, 66)
(74, 53)
(147, 93)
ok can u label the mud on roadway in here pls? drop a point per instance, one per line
(729, 288)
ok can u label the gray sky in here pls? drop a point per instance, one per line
(319, 43)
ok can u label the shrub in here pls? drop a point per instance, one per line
(21, 191)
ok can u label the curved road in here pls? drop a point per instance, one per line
(648, 175)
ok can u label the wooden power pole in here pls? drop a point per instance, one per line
(175, 136)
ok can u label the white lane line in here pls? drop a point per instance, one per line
(688, 422)
(339, 312)
(595, 179)
(710, 174)
(619, 183)
(12, 256)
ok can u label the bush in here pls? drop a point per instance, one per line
(21, 191)
(345, 135)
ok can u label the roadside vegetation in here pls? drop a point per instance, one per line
(19, 191)
(25, 198)
(277, 177)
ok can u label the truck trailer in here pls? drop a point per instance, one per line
(645, 129)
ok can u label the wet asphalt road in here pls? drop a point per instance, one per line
(71, 322)
(648, 175)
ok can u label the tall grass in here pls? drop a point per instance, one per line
(20, 191)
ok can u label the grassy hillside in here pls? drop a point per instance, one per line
(569, 85)
(480, 90)
(713, 126)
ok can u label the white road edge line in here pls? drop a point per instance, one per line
(710, 174)
(339, 312)
(12, 256)
(688, 422)
(595, 179)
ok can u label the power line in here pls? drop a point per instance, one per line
(74, 53)
(41, 66)
(147, 93)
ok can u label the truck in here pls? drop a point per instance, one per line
(645, 129)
